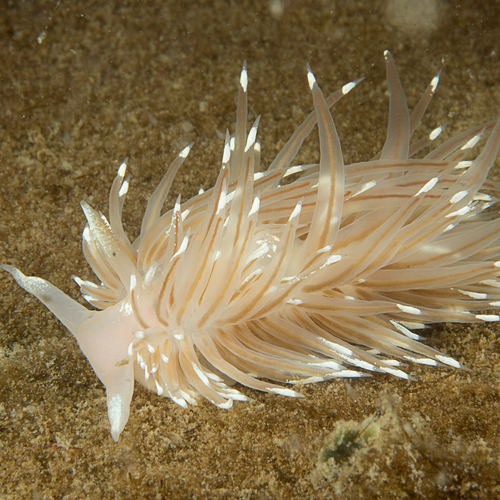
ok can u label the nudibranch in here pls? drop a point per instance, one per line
(267, 279)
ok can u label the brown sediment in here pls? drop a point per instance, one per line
(112, 80)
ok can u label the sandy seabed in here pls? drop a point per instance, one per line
(117, 79)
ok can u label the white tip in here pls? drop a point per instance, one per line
(227, 153)
(294, 170)
(488, 317)
(182, 248)
(365, 187)
(434, 83)
(310, 77)
(393, 371)
(459, 196)
(428, 186)
(159, 388)
(200, 374)
(251, 137)
(222, 201)
(122, 170)
(177, 206)
(470, 144)
(347, 374)
(462, 211)
(116, 415)
(87, 235)
(78, 281)
(405, 330)
(216, 378)
(255, 273)
(338, 348)
(324, 249)
(255, 206)
(133, 281)
(422, 361)
(409, 309)
(185, 151)
(482, 197)
(130, 350)
(362, 364)
(435, 133)
(348, 87)
(448, 361)
(228, 404)
(332, 259)
(463, 164)
(285, 392)
(179, 401)
(123, 189)
(185, 214)
(244, 78)
(296, 211)
(474, 295)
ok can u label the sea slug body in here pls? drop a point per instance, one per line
(258, 280)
